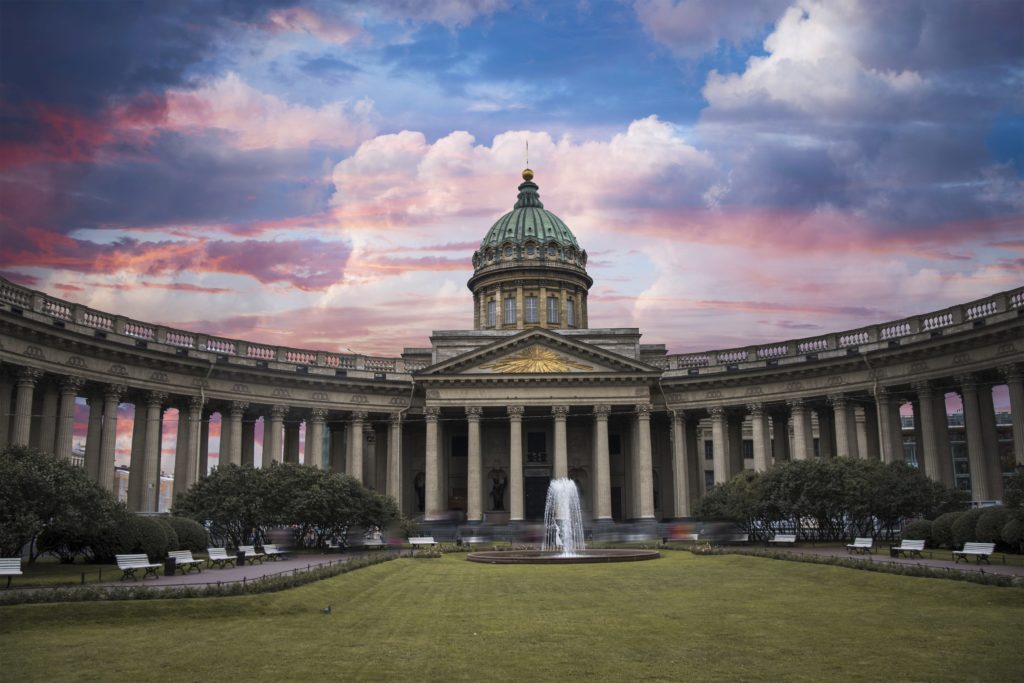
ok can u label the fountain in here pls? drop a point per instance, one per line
(564, 541)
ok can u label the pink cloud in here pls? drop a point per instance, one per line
(304, 20)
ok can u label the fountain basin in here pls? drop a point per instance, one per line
(557, 557)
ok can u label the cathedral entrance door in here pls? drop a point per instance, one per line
(535, 491)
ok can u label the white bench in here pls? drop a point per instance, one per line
(185, 562)
(334, 546)
(251, 554)
(422, 540)
(908, 546)
(10, 567)
(375, 542)
(475, 540)
(860, 545)
(979, 550)
(274, 552)
(220, 557)
(783, 538)
(129, 564)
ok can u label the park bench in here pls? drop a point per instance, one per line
(421, 540)
(333, 546)
(783, 538)
(10, 567)
(184, 561)
(860, 545)
(251, 554)
(979, 550)
(220, 557)
(475, 540)
(908, 546)
(274, 552)
(129, 564)
(373, 542)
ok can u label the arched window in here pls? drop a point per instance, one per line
(531, 249)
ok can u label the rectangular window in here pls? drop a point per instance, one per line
(553, 310)
(530, 312)
(510, 311)
(570, 313)
(491, 313)
(709, 450)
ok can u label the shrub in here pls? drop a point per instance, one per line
(1013, 532)
(921, 530)
(989, 528)
(172, 536)
(151, 537)
(942, 529)
(965, 528)
(191, 534)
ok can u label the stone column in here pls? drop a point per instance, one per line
(249, 439)
(602, 466)
(182, 461)
(885, 440)
(46, 438)
(224, 444)
(925, 417)
(337, 447)
(22, 427)
(975, 444)
(860, 420)
(291, 440)
(354, 466)
(272, 437)
(561, 448)
(235, 412)
(137, 463)
(645, 475)
(515, 449)
(433, 509)
(69, 388)
(394, 474)
(803, 437)
(734, 435)
(1014, 377)
(680, 465)
(204, 443)
(6, 390)
(108, 436)
(780, 437)
(195, 427)
(151, 469)
(759, 432)
(990, 441)
(474, 511)
(92, 440)
(944, 457)
(826, 431)
(872, 432)
(846, 428)
(315, 438)
(719, 444)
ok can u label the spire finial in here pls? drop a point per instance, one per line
(527, 173)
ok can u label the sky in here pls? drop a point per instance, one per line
(318, 174)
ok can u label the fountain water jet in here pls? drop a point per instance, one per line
(563, 536)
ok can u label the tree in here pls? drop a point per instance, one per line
(230, 502)
(50, 505)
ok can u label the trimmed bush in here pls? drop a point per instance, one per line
(965, 528)
(145, 535)
(1013, 532)
(989, 528)
(942, 529)
(172, 535)
(921, 530)
(191, 534)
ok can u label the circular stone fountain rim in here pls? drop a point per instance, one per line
(556, 557)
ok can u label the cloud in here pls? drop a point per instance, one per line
(691, 28)
(330, 29)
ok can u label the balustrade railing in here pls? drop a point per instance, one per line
(934, 322)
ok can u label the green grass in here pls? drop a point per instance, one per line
(50, 572)
(682, 617)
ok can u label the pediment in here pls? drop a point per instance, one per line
(538, 352)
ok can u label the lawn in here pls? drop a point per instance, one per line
(682, 617)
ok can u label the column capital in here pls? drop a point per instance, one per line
(967, 381)
(114, 391)
(237, 408)
(795, 404)
(602, 410)
(560, 412)
(755, 409)
(515, 412)
(317, 415)
(838, 400)
(473, 413)
(882, 393)
(277, 412)
(717, 412)
(643, 410)
(396, 417)
(196, 402)
(1012, 373)
(923, 388)
(27, 377)
(359, 415)
(155, 399)
(72, 383)
(431, 413)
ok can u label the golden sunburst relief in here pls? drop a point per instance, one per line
(535, 359)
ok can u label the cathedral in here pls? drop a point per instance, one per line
(475, 426)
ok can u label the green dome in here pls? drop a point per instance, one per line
(529, 220)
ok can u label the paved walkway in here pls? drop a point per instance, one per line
(996, 567)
